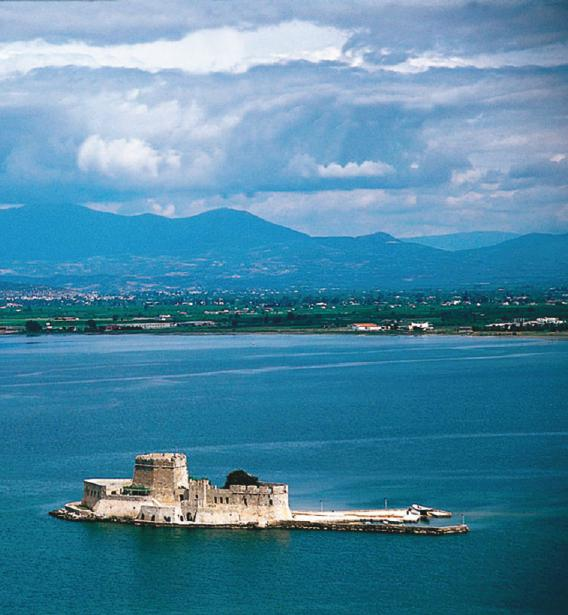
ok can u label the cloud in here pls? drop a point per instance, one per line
(305, 166)
(546, 56)
(167, 210)
(368, 168)
(118, 157)
(469, 176)
(108, 208)
(218, 50)
(353, 118)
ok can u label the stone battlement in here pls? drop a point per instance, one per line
(162, 492)
(162, 460)
(264, 488)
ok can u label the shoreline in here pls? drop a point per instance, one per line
(556, 335)
(323, 526)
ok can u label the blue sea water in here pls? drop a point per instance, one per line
(475, 425)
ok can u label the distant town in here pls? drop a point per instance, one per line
(36, 311)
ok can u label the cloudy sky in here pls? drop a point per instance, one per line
(328, 116)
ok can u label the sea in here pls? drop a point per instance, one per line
(475, 425)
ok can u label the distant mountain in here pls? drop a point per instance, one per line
(224, 248)
(71, 232)
(462, 241)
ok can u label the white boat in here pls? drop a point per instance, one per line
(423, 510)
(439, 514)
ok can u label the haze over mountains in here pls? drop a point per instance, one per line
(463, 241)
(224, 248)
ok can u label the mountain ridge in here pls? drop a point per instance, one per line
(76, 246)
(463, 241)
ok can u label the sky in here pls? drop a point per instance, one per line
(328, 116)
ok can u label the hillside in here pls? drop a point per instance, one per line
(224, 248)
(462, 241)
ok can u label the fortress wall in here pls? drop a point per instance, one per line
(238, 504)
(160, 514)
(92, 493)
(95, 489)
(174, 498)
(126, 507)
(164, 474)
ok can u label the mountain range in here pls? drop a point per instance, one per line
(463, 241)
(224, 248)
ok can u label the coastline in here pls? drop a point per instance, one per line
(304, 525)
(551, 335)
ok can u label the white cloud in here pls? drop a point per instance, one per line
(224, 49)
(118, 157)
(466, 177)
(547, 56)
(558, 158)
(168, 210)
(305, 166)
(465, 199)
(368, 168)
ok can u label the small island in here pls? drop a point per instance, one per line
(162, 493)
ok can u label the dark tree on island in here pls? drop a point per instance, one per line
(240, 477)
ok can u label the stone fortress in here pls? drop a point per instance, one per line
(162, 492)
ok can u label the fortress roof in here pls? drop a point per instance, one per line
(159, 456)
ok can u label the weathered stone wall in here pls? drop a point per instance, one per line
(165, 474)
(174, 498)
(263, 504)
(127, 507)
(92, 493)
(95, 489)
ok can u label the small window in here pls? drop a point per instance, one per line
(226, 500)
(142, 516)
(245, 501)
(153, 517)
(180, 518)
(270, 502)
(188, 517)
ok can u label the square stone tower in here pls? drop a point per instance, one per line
(165, 474)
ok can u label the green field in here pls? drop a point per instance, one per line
(280, 314)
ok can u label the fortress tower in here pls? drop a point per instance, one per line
(164, 474)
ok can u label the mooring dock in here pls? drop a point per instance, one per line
(377, 527)
(387, 521)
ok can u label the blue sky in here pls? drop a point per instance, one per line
(331, 117)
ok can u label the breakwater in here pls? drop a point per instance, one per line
(334, 526)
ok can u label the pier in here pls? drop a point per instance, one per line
(302, 521)
(378, 528)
